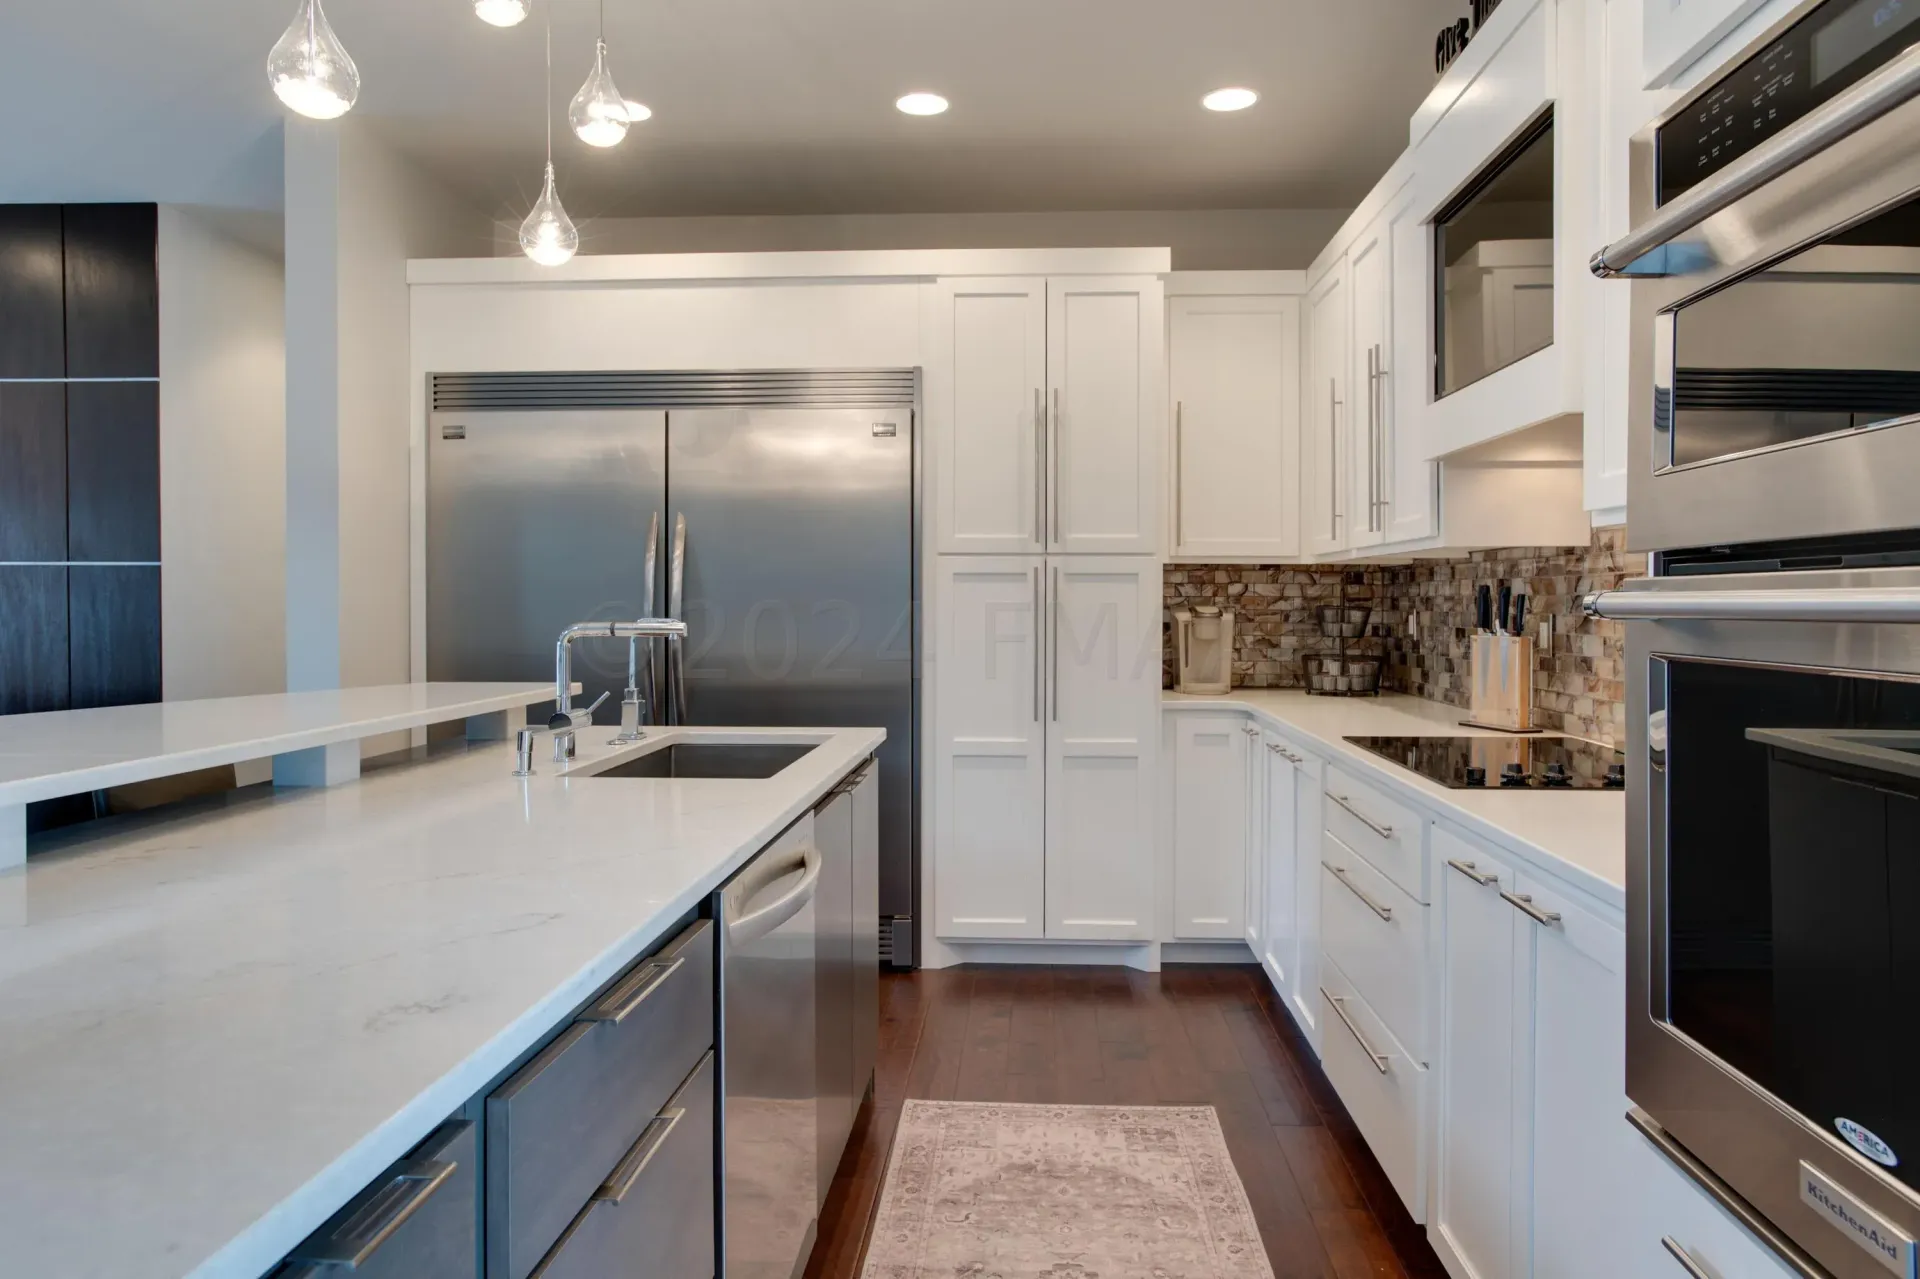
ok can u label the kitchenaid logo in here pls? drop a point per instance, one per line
(1893, 1248)
(1866, 1143)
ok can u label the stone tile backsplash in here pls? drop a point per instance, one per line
(1423, 615)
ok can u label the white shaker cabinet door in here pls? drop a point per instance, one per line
(1324, 444)
(986, 384)
(1213, 758)
(1106, 410)
(989, 854)
(1480, 1190)
(1102, 713)
(1234, 370)
(1370, 288)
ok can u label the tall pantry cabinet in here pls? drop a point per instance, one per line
(1046, 429)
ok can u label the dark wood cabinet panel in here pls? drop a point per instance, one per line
(112, 290)
(114, 641)
(33, 639)
(33, 336)
(33, 471)
(113, 471)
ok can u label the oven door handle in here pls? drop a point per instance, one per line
(1841, 605)
(1639, 252)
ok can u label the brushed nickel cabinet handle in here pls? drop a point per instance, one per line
(625, 999)
(1384, 832)
(1685, 1258)
(658, 1129)
(1524, 904)
(1053, 457)
(1333, 457)
(1473, 872)
(410, 1183)
(1056, 643)
(1039, 467)
(1385, 912)
(1037, 644)
(1338, 1004)
(1179, 474)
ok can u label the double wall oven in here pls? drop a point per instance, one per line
(1773, 1038)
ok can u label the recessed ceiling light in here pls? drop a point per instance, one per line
(1230, 99)
(638, 111)
(922, 104)
(501, 13)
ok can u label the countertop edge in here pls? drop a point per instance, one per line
(1431, 798)
(254, 1252)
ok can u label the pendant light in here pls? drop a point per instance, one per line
(548, 236)
(501, 13)
(598, 113)
(309, 68)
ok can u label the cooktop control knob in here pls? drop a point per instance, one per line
(1513, 775)
(1476, 775)
(1616, 776)
(1557, 775)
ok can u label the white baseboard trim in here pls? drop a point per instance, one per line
(1142, 955)
(1207, 952)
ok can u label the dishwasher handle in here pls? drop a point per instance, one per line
(746, 927)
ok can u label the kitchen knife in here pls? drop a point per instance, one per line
(1483, 608)
(1506, 607)
(1520, 614)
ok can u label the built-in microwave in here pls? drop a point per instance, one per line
(1773, 886)
(1775, 267)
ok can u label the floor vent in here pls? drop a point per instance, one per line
(896, 941)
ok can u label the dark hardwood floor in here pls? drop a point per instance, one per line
(1211, 1035)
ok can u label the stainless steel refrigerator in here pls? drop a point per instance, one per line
(775, 512)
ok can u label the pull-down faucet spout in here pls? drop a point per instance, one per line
(645, 628)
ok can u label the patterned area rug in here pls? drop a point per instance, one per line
(1001, 1191)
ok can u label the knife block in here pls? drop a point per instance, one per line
(1501, 693)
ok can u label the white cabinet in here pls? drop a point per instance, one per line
(989, 768)
(1324, 456)
(1046, 747)
(1290, 812)
(1046, 409)
(1254, 844)
(1103, 734)
(1233, 364)
(1673, 1213)
(1212, 765)
(1477, 1169)
(1391, 482)
(1676, 32)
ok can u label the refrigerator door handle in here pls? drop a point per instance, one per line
(649, 602)
(676, 603)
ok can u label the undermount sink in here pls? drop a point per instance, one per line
(747, 760)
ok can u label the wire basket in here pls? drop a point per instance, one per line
(1344, 621)
(1342, 676)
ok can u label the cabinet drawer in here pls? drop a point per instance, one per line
(654, 1215)
(1384, 958)
(1384, 1089)
(1382, 830)
(557, 1128)
(420, 1220)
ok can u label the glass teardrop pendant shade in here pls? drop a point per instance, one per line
(309, 68)
(598, 113)
(501, 13)
(548, 235)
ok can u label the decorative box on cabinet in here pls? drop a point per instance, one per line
(1233, 368)
(1046, 414)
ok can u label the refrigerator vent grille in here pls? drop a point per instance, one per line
(767, 388)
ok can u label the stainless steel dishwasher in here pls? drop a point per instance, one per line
(770, 1114)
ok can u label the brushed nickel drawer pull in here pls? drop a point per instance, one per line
(1338, 1003)
(1384, 832)
(1685, 1258)
(410, 1184)
(1524, 904)
(1472, 872)
(659, 1128)
(633, 992)
(1385, 912)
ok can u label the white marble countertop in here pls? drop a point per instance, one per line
(1580, 836)
(217, 1025)
(54, 753)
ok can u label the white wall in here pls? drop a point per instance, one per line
(1201, 239)
(222, 453)
(356, 212)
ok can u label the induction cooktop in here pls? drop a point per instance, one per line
(1512, 763)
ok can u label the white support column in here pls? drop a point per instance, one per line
(13, 836)
(318, 766)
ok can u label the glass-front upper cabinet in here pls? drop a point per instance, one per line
(1493, 255)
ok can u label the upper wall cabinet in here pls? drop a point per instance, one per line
(1234, 372)
(1046, 410)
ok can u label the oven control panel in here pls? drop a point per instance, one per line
(1835, 45)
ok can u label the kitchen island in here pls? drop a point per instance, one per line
(218, 1023)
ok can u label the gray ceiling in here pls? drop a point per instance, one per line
(761, 106)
